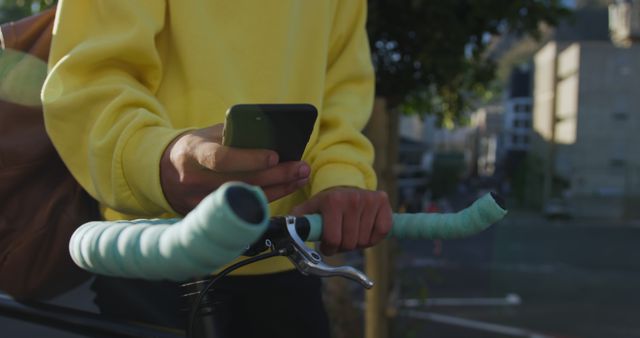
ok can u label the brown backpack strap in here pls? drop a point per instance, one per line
(31, 34)
(41, 204)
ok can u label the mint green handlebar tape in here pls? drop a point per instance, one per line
(209, 237)
(480, 215)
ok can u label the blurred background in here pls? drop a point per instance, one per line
(533, 99)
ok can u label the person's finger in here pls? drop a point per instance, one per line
(211, 134)
(351, 223)
(275, 192)
(282, 179)
(331, 230)
(384, 220)
(308, 207)
(367, 220)
(215, 132)
(284, 173)
(219, 158)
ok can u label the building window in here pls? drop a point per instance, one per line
(521, 124)
(522, 108)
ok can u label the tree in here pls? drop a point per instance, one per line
(431, 56)
(11, 10)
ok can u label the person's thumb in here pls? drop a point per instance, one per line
(309, 207)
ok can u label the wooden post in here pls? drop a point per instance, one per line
(383, 133)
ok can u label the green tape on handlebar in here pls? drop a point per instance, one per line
(475, 218)
(209, 237)
(315, 231)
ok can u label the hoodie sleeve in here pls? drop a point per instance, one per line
(99, 103)
(343, 156)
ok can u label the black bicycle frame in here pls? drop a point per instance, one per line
(77, 321)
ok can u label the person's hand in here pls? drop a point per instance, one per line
(196, 163)
(353, 218)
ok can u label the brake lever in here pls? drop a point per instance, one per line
(309, 262)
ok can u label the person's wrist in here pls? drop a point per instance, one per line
(170, 174)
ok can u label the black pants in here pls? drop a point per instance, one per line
(278, 305)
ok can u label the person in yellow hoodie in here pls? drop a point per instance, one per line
(134, 101)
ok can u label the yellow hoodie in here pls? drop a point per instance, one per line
(126, 77)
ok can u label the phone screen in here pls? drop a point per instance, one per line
(285, 128)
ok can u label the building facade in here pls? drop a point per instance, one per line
(585, 124)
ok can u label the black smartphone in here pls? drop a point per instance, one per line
(285, 128)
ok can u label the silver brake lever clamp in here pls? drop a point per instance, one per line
(309, 262)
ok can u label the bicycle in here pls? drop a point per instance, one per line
(234, 221)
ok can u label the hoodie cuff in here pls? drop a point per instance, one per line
(141, 167)
(342, 174)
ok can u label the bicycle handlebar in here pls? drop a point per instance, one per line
(480, 215)
(221, 228)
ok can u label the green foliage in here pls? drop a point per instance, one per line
(11, 10)
(430, 55)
